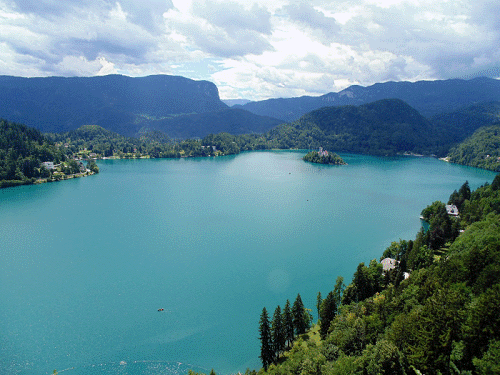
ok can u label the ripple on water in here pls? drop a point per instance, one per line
(135, 368)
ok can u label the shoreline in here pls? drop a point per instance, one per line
(66, 177)
(16, 183)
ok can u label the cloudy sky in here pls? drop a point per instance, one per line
(253, 49)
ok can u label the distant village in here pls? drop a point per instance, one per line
(75, 167)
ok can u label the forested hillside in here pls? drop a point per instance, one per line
(233, 121)
(457, 125)
(22, 150)
(96, 142)
(481, 150)
(385, 127)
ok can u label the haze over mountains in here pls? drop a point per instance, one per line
(184, 108)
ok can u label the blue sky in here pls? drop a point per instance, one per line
(253, 49)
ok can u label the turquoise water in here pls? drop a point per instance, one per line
(86, 263)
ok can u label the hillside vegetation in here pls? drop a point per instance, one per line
(232, 121)
(22, 150)
(385, 127)
(481, 150)
(456, 126)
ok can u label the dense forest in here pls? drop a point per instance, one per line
(97, 142)
(434, 311)
(386, 127)
(458, 125)
(481, 150)
(22, 150)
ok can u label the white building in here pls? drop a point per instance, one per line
(48, 164)
(452, 210)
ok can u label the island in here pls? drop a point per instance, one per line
(324, 157)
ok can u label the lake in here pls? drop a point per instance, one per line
(87, 263)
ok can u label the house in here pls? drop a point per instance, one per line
(388, 264)
(452, 210)
(49, 165)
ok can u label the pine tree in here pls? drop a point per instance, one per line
(288, 323)
(338, 290)
(318, 302)
(266, 350)
(327, 313)
(298, 316)
(277, 332)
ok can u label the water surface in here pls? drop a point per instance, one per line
(86, 263)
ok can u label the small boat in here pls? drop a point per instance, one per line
(160, 309)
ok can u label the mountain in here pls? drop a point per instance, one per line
(231, 102)
(287, 110)
(56, 104)
(427, 97)
(462, 123)
(384, 127)
(233, 121)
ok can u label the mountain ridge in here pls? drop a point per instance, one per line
(55, 104)
(428, 97)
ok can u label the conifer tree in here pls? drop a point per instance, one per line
(298, 316)
(288, 323)
(338, 290)
(266, 350)
(277, 333)
(318, 302)
(327, 313)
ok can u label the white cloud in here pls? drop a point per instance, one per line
(80, 66)
(255, 49)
